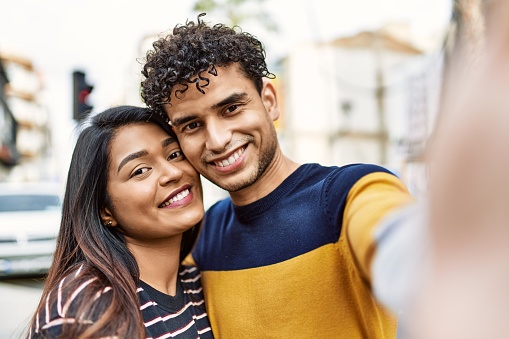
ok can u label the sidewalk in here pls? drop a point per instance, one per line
(18, 304)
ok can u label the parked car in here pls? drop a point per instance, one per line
(29, 222)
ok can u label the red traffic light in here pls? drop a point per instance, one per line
(82, 97)
(81, 91)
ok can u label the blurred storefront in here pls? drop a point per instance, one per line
(8, 128)
(25, 139)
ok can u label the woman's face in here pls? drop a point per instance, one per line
(155, 193)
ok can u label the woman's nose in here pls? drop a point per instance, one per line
(169, 173)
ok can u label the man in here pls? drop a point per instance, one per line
(289, 254)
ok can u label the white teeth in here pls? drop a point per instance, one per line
(178, 197)
(235, 156)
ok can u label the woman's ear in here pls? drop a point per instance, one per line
(269, 99)
(107, 217)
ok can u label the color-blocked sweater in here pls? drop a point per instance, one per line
(296, 263)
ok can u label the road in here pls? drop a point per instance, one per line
(19, 298)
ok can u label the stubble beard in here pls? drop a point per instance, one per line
(266, 158)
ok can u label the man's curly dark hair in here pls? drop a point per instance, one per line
(194, 50)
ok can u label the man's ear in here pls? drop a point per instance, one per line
(107, 217)
(269, 99)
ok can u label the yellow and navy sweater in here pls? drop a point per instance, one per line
(296, 263)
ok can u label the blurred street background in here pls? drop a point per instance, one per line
(358, 81)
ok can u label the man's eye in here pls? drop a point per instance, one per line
(192, 126)
(232, 108)
(176, 155)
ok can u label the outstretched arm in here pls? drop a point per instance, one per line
(464, 292)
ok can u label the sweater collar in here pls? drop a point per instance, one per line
(251, 211)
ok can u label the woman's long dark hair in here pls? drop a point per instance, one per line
(83, 240)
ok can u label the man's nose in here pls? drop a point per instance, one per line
(218, 136)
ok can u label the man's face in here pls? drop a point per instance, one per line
(227, 134)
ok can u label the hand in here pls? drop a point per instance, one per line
(466, 294)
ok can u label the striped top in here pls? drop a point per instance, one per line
(181, 316)
(164, 316)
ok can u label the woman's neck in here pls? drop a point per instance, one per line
(159, 263)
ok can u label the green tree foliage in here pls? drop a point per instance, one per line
(238, 12)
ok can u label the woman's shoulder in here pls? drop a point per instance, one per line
(80, 282)
(187, 272)
(190, 277)
(71, 299)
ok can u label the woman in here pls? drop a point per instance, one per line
(131, 210)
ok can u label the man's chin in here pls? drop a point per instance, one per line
(234, 183)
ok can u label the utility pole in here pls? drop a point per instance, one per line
(380, 97)
(464, 45)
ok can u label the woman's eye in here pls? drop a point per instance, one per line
(139, 171)
(176, 155)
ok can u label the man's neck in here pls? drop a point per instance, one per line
(280, 169)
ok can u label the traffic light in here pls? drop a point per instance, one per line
(81, 91)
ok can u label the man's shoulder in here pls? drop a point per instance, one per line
(339, 179)
(220, 207)
(364, 169)
(354, 170)
(221, 203)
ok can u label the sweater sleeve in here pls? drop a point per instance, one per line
(401, 259)
(371, 198)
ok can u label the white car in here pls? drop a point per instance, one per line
(30, 216)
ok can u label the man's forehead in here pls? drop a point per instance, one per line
(180, 93)
(208, 94)
(200, 83)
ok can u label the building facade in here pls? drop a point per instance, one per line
(8, 129)
(346, 100)
(25, 153)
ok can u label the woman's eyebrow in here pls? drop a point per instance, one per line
(131, 157)
(139, 154)
(168, 141)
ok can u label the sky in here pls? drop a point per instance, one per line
(105, 38)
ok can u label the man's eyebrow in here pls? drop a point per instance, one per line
(180, 121)
(235, 97)
(130, 157)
